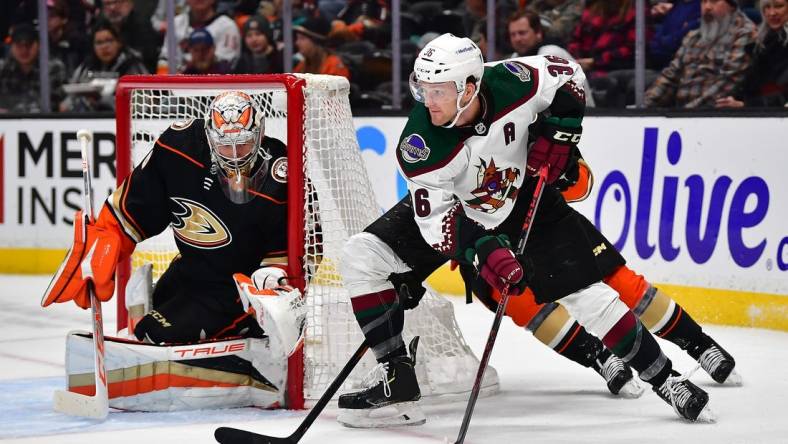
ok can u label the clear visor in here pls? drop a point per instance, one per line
(439, 93)
(240, 185)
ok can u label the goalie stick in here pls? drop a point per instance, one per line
(229, 435)
(96, 406)
(526, 231)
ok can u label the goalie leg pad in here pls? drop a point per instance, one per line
(148, 377)
(139, 293)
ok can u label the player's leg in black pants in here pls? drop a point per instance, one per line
(390, 246)
(183, 312)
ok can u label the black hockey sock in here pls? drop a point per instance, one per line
(381, 318)
(632, 342)
(400, 351)
(683, 331)
(580, 346)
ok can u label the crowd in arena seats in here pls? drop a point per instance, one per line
(700, 53)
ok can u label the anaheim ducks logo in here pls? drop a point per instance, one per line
(197, 226)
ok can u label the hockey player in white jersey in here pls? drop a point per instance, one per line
(466, 158)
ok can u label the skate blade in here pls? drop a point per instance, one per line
(402, 414)
(734, 379)
(632, 389)
(707, 416)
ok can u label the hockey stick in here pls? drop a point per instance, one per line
(229, 435)
(96, 406)
(526, 231)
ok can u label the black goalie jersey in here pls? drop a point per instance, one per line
(177, 185)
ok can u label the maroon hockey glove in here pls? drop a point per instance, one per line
(494, 259)
(554, 146)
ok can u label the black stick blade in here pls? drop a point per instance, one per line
(229, 435)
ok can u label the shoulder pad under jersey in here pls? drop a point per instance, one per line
(187, 139)
(511, 83)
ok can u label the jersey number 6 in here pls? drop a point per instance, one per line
(420, 202)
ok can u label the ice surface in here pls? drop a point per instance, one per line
(544, 398)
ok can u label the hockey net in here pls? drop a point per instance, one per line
(330, 198)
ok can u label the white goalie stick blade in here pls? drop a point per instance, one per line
(71, 403)
(96, 406)
(402, 414)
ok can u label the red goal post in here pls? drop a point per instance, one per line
(295, 139)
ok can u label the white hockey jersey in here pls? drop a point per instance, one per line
(223, 29)
(475, 172)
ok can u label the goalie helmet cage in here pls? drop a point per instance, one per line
(330, 198)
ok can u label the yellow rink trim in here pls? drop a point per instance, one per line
(30, 260)
(706, 305)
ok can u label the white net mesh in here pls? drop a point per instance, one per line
(338, 203)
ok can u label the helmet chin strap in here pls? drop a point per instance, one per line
(460, 109)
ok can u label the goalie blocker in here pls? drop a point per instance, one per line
(208, 374)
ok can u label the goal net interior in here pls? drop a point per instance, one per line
(330, 198)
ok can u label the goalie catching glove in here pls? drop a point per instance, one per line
(93, 257)
(279, 310)
(496, 263)
(553, 146)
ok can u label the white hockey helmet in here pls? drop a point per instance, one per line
(234, 128)
(448, 58)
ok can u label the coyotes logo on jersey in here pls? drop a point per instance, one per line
(198, 226)
(494, 187)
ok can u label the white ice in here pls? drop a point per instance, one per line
(544, 398)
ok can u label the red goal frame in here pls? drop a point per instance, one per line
(294, 87)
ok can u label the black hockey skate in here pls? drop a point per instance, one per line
(717, 362)
(390, 398)
(617, 374)
(688, 400)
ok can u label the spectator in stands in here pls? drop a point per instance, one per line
(19, 74)
(474, 21)
(527, 38)
(202, 14)
(311, 43)
(558, 17)
(362, 20)
(159, 17)
(766, 80)
(711, 61)
(272, 10)
(135, 30)
(604, 39)
(202, 55)
(604, 45)
(677, 19)
(66, 42)
(259, 54)
(109, 60)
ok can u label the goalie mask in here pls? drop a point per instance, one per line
(443, 67)
(235, 128)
